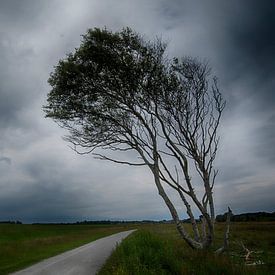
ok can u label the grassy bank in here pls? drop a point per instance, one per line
(158, 249)
(23, 245)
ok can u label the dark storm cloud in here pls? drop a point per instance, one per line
(13, 90)
(237, 33)
(266, 139)
(45, 190)
(45, 181)
(235, 36)
(51, 191)
(252, 50)
(237, 39)
(248, 50)
(252, 36)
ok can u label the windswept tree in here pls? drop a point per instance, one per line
(120, 93)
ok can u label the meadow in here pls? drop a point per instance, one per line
(158, 249)
(153, 249)
(22, 245)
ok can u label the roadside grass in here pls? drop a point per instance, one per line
(23, 245)
(157, 249)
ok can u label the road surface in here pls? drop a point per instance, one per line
(83, 260)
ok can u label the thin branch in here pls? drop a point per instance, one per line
(102, 157)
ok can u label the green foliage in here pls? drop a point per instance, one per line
(107, 64)
(110, 91)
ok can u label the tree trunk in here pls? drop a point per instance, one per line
(191, 242)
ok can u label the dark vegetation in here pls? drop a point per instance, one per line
(244, 217)
(108, 222)
(248, 217)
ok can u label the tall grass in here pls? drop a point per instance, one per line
(143, 253)
(158, 250)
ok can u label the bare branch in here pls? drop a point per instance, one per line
(102, 157)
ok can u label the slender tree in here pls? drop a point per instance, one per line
(120, 93)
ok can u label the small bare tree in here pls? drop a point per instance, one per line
(118, 92)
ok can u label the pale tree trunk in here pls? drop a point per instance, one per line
(191, 242)
(226, 234)
(192, 218)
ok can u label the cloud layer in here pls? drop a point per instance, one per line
(41, 179)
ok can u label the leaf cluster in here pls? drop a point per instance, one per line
(96, 89)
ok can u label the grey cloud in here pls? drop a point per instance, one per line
(5, 159)
(53, 187)
(251, 34)
(246, 197)
(265, 148)
(48, 182)
(16, 86)
(41, 202)
(19, 16)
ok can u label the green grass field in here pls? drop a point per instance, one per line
(157, 249)
(23, 245)
(153, 249)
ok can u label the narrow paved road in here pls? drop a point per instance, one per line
(83, 260)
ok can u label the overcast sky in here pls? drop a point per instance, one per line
(42, 179)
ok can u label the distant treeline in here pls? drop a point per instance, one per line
(248, 217)
(118, 222)
(107, 222)
(11, 222)
(245, 217)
